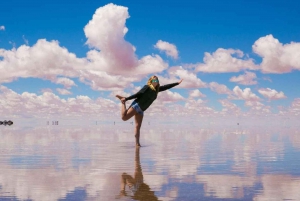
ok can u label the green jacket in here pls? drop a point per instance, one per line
(146, 95)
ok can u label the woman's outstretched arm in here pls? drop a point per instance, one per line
(169, 86)
(137, 94)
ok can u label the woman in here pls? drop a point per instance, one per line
(143, 99)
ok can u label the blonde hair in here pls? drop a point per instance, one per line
(149, 83)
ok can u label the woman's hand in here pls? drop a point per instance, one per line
(123, 100)
(180, 81)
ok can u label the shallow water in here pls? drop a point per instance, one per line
(100, 162)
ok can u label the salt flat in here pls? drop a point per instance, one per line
(176, 162)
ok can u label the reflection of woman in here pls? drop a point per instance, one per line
(138, 190)
(143, 99)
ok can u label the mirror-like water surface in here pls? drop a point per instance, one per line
(101, 162)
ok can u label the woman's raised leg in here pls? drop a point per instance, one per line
(126, 114)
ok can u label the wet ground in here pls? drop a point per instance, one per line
(101, 162)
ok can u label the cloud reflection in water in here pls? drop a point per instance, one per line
(67, 163)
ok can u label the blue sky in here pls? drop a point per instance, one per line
(193, 27)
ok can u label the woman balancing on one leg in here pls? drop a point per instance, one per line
(143, 99)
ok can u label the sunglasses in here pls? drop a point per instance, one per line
(154, 80)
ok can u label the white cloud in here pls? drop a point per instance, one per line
(190, 79)
(2, 28)
(169, 96)
(107, 27)
(113, 57)
(196, 94)
(271, 94)
(198, 107)
(118, 92)
(46, 90)
(45, 60)
(225, 60)
(296, 103)
(245, 94)
(167, 108)
(277, 58)
(31, 104)
(68, 83)
(113, 65)
(63, 91)
(100, 80)
(251, 100)
(246, 79)
(169, 48)
(106, 32)
(251, 103)
(295, 107)
(219, 88)
(150, 65)
(229, 108)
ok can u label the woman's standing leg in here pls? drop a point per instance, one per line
(138, 123)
